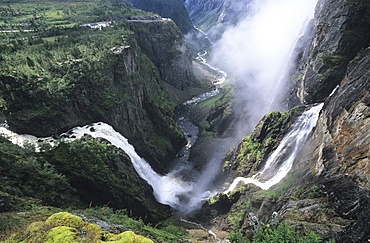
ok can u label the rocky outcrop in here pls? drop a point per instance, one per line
(66, 227)
(111, 180)
(173, 9)
(340, 150)
(327, 190)
(164, 44)
(253, 150)
(340, 30)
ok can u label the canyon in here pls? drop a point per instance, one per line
(130, 91)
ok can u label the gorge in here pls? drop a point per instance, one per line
(308, 59)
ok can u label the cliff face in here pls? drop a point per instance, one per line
(340, 30)
(173, 9)
(163, 43)
(340, 150)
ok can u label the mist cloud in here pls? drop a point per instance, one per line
(256, 51)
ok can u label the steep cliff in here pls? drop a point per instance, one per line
(77, 174)
(340, 30)
(327, 190)
(164, 44)
(340, 151)
(173, 9)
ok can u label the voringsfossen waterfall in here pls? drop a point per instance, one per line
(185, 195)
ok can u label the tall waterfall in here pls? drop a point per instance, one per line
(167, 189)
(281, 160)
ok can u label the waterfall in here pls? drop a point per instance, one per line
(167, 189)
(281, 160)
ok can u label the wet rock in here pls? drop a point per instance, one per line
(340, 30)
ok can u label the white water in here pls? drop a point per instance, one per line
(281, 160)
(167, 189)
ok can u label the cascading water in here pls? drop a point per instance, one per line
(281, 160)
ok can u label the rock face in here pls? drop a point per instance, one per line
(173, 9)
(253, 150)
(111, 180)
(163, 43)
(340, 30)
(340, 150)
(327, 190)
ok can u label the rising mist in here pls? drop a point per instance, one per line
(256, 52)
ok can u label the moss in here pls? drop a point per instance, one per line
(64, 227)
(129, 236)
(65, 219)
(236, 216)
(61, 234)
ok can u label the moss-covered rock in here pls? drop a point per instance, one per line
(65, 227)
(247, 158)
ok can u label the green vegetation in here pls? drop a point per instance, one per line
(164, 231)
(56, 176)
(44, 14)
(38, 76)
(265, 137)
(30, 178)
(169, 9)
(219, 107)
(65, 227)
(28, 226)
(282, 233)
(57, 75)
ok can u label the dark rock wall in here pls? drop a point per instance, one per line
(340, 150)
(340, 30)
(327, 190)
(111, 180)
(214, 16)
(163, 43)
